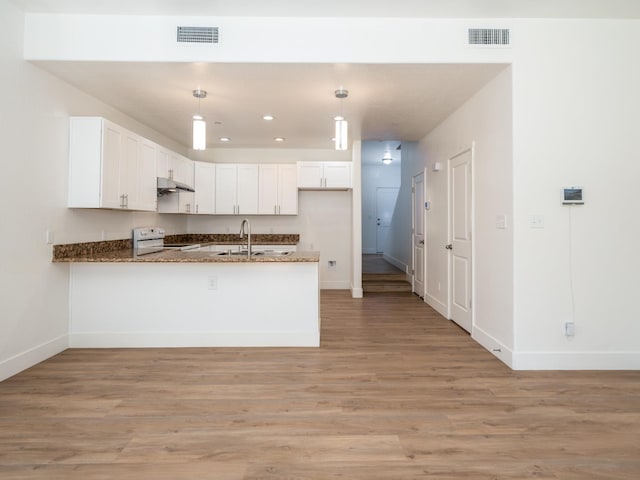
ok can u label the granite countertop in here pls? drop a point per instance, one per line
(121, 251)
(189, 256)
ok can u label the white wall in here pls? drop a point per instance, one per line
(485, 122)
(34, 136)
(399, 251)
(323, 221)
(575, 121)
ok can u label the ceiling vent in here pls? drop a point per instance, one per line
(489, 36)
(197, 35)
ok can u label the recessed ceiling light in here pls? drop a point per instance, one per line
(225, 139)
(268, 117)
(278, 139)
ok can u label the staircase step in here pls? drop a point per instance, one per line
(386, 286)
(390, 277)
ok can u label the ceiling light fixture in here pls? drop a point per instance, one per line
(341, 123)
(225, 139)
(268, 118)
(386, 158)
(199, 125)
(279, 139)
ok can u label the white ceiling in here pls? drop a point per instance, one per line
(386, 102)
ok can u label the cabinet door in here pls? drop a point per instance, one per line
(184, 171)
(247, 189)
(268, 190)
(147, 182)
(111, 155)
(203, 183)
(129, 171)
(225, 189)
(162, 162)
(310, 174)
(337, 175)
(287, 190)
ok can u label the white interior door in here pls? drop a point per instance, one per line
(385, 205)
(460, 239)
(418, 196)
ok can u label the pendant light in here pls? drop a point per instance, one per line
(341, 137)
(199, 125)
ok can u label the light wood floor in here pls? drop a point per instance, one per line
(394, 392)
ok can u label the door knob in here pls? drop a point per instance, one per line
(378, 223)
(421, 242)
(449, 247)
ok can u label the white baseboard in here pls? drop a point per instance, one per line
(394, 261)
(493, 345)
(437, 305)
(357, 292)
(33, 356)
(576, 360)
(193, 339)
(336, 285)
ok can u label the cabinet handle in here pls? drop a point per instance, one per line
(188, 208)
(278, 209)
(238, 209)
(171, 174)
(275, 210)
(126, 198)
(197, 208)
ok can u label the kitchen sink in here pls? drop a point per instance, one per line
(266, 253)
(274, 253)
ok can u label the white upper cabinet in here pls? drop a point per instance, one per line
(109, 167)
(147, 182)
(236, 189)
(180, 169)
(324, 175)
(278, 189)
(204, 185)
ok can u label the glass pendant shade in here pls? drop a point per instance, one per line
(199, 133)
(341, 133)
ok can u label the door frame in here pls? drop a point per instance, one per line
(424, 226)
(470, 149)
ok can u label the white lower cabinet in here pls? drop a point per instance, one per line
(236, 189)
(110, 167)
(278, 189)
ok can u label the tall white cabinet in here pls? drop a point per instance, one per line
(110, 167)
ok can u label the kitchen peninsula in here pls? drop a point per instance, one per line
(194, 298)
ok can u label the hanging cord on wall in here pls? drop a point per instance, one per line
(570, 333)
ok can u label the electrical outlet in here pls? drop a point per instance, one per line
(50, 236)
(212, 282)
(569, 329)
(331, 265)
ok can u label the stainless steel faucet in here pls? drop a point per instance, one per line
(242, 231)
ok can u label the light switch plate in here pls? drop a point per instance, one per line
(501, 221)
(536, 221)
